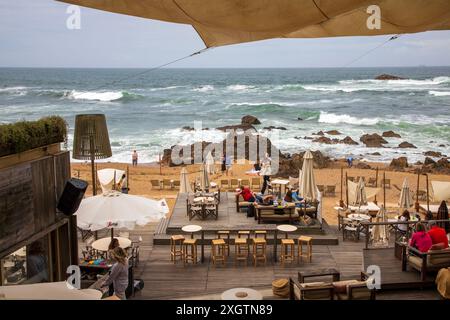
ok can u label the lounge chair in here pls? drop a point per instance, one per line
(155, 184)
(386, 183)
(256, 183)
(330, 191)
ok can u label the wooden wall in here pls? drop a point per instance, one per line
(28, 197)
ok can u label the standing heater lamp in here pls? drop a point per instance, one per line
(91, 141)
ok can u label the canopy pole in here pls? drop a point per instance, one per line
(384, 189)
(376, 185)
(428, 193)
(346, 189)
(341, 202)
(417, 205)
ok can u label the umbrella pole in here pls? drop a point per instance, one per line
(417, 205)
(428, 194)
(341, 202)
(384, 189)
(346, 189)
(92, 154)
(376, 185)
(112, 234)
(128, 177)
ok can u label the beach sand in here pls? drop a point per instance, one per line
(140, 176)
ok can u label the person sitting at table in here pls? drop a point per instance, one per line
(404, 217)
(421, 240)
(438, 235)
(267, 200)
(113, 244)
(118, 276)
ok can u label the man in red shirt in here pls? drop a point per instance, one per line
(438, 235)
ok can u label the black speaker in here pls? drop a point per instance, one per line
(72, 195)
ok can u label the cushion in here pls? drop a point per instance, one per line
(313, 284)
(437, 246)
(341, 286)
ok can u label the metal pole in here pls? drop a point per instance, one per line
(341, 202)
(92, 151)
(428, 194)
(376, 185)
(346, 189)
(384, 189)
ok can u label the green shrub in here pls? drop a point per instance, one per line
(26, 135)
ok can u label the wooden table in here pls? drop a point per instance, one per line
(103, 243)
(241, 294)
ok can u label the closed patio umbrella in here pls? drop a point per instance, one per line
(361, 197)
(308, 188)
(204, 178)
(210, 165)
(380, 233)
(185, 186)
(118, 210)
(406, 200)
(442, 214)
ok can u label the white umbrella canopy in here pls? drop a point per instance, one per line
(361, 197)
(308, 188)
(204, 178)
(118, 210)
(210, 164)
(185, 186)
(106, 178)
(406, 200)
(380, 233)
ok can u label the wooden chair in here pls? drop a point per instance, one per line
(176, 247)
(308, 253)
(330, 191)
(234, 184)
(287, 251)
(256, 183)
(225, 184)
(155, 184)
(225, 234)
(350, 229)
(190, 251)
(176, 184)
(195, 210)
(386, 183)
(241, 250)
(321, 188)
(259, 250)
(211, 208)
(245, 182)
(218, 251)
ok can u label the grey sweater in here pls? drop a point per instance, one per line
(119, 278)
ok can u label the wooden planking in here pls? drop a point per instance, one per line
(62, 171)
(16, 205)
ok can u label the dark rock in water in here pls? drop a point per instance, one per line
(333, 132)
(373, 140)
(348, 140)
(429, 161)
(281, 128)
(248, 119)
(320, 133)
(442, 145)
(399, 164)
(391, 134)
(406, 144)
(376, 154)
(188, 128)
(299, 118)
(308, 138)
(324, 140)
(363, 165)
(244, 127)
(435, 154)
(388, 77)
(273, 127)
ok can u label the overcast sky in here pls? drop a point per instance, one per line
(33, 33)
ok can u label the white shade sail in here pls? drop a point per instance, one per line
(185, 186)
(48, 291)
(405, 201)
(440, 190)
(308, 188)
(352, 190)
(118, 210)
(106, 178)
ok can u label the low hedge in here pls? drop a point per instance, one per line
(25, 135)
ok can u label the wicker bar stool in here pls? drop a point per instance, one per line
(225, 234)
(218, 251)
(190, 251)
(241, 250)
(308, 242)
(287, 251)
(259, 250)
(262, 233)
(176, 247)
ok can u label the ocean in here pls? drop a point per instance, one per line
(147, 112)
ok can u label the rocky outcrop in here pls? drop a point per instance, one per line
(388, 77)
(333, 132)
(406, 144)
(243, 127)
(326, 140)
(363, 165)
(349, 140)
(375, 154)
(248, 119)
(273, 127)
(429, 161)
(291, 164)
(390, 134)
(320, 133)
(442, 166)
(435, 154)
(399, 163)
(188, 128)
(373, 140)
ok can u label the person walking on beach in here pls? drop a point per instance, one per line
(134, 158)
(350, 161)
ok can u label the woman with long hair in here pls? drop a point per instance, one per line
(118, 276)
(442, 214)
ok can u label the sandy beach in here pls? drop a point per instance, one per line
(140, 176)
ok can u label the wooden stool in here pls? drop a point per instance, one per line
(192, 256)
(241, 250)
(287, 250)
(262, 233)
(218, 250)
(244, 233)
(226, 235)
(259, 250)
(308, 242)
(176, 240)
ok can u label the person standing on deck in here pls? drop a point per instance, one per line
(266, 171)
(228, 164)
(134, 158)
